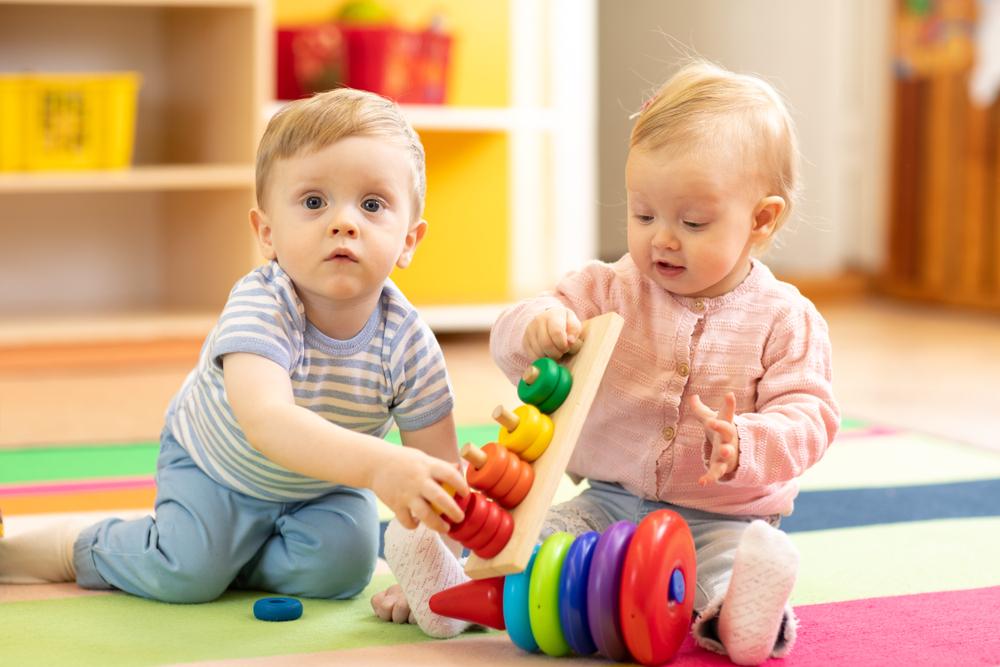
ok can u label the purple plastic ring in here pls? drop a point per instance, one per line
(603, 588)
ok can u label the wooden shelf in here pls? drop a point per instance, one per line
(119, 327)
(136, 179)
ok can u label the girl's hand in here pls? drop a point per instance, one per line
(721, 432)
(410, 484)
(552, 333)
(391, 605)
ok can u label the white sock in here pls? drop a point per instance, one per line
(764, 573)
(423, 566)
(43, 555)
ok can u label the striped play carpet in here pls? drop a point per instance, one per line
(899, 534)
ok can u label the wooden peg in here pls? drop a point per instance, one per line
(530, 374)
(506, 418)
(474, 455)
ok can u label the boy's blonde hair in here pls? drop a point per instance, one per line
(704, 105)
(316, 122)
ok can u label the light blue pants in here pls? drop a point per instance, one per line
(716, 536)
(206, 538)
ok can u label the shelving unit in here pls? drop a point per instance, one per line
(150, 252)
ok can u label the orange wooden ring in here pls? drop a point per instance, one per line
(497, 462)
(509, 479)
(525, 478)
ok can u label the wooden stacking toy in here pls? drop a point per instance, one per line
(557, 397)
(500, 474)
(627, 593)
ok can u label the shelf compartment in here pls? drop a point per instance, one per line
(136, 179)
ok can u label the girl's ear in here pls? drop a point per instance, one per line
(413, 237)
(262, 231)
(766, 215)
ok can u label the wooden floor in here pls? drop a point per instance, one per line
(918, 367)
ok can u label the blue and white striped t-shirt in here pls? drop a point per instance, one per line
(393, 370)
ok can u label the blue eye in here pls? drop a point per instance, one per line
(371, 205)
(313, 202)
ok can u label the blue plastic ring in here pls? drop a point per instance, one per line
(277, 609)
(515, 607)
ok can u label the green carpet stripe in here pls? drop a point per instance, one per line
(904, 459)
(66, 463)
(38, 464)
(897, 559)
(113, 630)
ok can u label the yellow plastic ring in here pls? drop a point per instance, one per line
(542, 440)
(524, 435)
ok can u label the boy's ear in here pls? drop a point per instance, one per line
(262, 231)
(413, 237)
(766, 215)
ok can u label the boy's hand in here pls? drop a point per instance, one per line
(410, 483)
(552, 333)
(721, 432)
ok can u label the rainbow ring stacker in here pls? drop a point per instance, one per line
(626, 593)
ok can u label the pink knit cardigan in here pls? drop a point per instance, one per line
(763, 341)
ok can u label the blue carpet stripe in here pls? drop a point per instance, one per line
(849, 508)
(845, 508)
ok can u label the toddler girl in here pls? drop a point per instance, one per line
(718, 394)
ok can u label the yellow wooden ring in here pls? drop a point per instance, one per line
(542, 440)
(526, 431)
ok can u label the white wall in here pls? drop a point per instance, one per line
(829, 59)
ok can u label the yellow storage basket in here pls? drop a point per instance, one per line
(67, 121)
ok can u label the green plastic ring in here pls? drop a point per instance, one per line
(539, 390)
(559, 394)
(543, 595)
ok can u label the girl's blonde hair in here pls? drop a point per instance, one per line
(705, 105)
(316, 122)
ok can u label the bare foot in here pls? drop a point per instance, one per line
(391, 605)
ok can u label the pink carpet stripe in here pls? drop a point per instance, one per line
(103, 484)
(869, 432)
(930, 629)
(22, 593)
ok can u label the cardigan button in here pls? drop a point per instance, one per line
(669, 433)
(683, 369)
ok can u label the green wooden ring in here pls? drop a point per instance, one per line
(539, 390)
(543, 595)
(559, 394)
